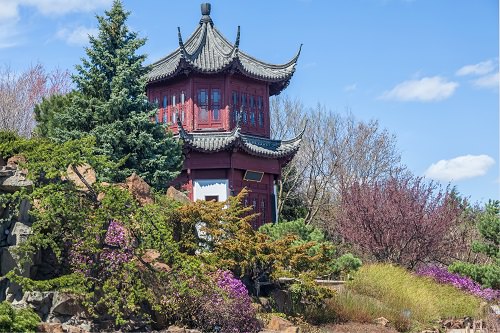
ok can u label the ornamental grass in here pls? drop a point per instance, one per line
(406, 300)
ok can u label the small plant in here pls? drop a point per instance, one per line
(17, 320)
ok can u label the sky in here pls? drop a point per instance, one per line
(426, 70)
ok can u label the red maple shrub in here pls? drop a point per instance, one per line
(402, 219)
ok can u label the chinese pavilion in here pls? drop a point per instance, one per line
(215, 98)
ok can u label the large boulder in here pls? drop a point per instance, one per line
(139, 189)
(18, 234)
(65, 305)
(278, 324)
(177, 195)
(86, 171)
(40, 302)
(11, 182)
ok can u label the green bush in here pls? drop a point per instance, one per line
(406, 300)
(488, 275)
(305, 234)
(17, 320)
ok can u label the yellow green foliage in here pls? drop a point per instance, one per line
(406, 300)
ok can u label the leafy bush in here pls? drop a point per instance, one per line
(213, 302)
(441, 275)
(401, 219)
(489, 227)
(17, 320)
(399, 294)
(305, 234)
(228, 309)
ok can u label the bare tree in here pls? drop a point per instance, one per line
(20, 92)
(336, 150)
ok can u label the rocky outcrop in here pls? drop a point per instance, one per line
(76, 174)
(139, 189)
(280, 325)
(15, 224)
(176, 195)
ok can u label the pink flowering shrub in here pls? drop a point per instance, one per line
(441, 275)
(228, 308)
(117, 251)
(218, 302)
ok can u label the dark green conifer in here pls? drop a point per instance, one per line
(112, 106)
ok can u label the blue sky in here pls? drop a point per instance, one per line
(426, 70)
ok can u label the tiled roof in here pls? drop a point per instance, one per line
(211, 142)
(208, 51)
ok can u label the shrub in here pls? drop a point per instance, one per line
(17, 320)
(401, 219)
(489, 228)
(214, 302)
(422, 299)
(228, 309)
(308, 235)
(466, 284)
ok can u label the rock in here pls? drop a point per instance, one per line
(14, 183)
(150, 255)
(381, 321)
(66, 305)
(87, 173)
(18, 234)
(176, 329)
(15, 160)
(50, 328)
(279, 324)
(41, 302)
(8, 260)
(73, 329)
(176, 195)
(160, 266)
(139, 189)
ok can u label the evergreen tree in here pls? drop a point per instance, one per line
(111, 105)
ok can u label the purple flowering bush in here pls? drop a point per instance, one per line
(228, 307)
(117, 251)
(441, 275)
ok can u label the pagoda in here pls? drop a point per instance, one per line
(215, 98)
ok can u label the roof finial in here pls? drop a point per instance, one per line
(205, 12)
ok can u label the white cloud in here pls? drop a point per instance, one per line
(78, 36)
(481, 68)
(459, 168)
(487, 81)
(11, 21)
(426, 89)
(350, 87)
(60, 7)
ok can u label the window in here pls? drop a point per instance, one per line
(215, 104)
(165, 101)
(235, 98)
(260, 106)
(203, 105)
(212, 198)
(253, 176)
(245, 120)
(252, 118)
(165, 116)
(263, 210)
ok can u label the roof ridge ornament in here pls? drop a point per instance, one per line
(205, 12)
(181, 43)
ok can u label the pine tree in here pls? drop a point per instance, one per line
(112, 106)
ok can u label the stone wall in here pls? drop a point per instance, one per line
(15, 225)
